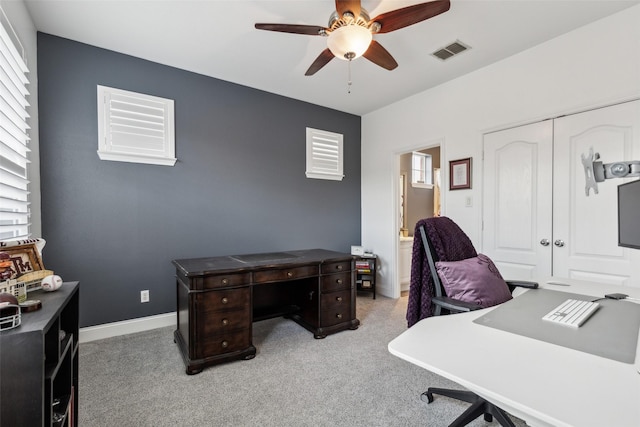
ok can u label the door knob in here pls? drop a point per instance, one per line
(544, 242)
(559, 243)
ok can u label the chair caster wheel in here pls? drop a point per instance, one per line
(429, 396)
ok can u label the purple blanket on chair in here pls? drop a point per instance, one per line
(450, 243)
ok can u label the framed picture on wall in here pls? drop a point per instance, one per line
(460, 174)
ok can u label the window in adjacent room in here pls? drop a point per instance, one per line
(15, 220)
(136, 128)
(421, 170)
(324, 155)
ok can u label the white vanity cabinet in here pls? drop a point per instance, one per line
(404, 264)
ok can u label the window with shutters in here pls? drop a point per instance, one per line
(324, 155)
(14, 138)
(134, 127)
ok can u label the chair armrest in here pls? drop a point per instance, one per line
(523, 284)
(455, 305)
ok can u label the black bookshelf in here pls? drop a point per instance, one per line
(365, 267)
(39, 363)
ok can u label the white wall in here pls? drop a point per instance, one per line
(24, 27)
(595, 65)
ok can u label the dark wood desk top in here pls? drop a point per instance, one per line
(248, 262)
(220, 297)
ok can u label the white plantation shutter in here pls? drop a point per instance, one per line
(324, 155)
(136, 128)
(14, 138)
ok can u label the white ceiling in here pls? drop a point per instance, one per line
(217, 38)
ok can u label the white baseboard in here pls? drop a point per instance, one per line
(115, 329)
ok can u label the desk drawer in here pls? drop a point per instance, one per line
(225, 343)
(335, 282)
(221, 281)
(336, 308)
(336, 267)
(279, 275)
(223, 300)
(224, 322)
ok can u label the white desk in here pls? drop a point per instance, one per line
(518, 373)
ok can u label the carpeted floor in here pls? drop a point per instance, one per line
(346, 379)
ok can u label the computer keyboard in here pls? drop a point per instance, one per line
(572, 312)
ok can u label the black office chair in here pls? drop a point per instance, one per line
(440, 239)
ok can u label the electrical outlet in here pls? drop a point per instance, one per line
(144, 296)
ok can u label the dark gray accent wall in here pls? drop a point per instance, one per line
(238, 187)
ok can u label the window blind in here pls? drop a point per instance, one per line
(14, 140)
(324, 155)
(135, 127)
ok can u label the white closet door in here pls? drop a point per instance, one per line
(585, 228)
(517, 200)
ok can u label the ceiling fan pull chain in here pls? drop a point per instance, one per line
(349, 77)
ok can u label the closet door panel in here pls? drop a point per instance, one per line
(585, 227)
(517, 200)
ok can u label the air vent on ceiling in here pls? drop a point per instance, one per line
(451, 50)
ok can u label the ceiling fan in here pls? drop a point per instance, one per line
(350, 31)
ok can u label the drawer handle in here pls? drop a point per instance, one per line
(289, 274)
(339, 316)
(339, 299)
(339, 281)
(339, 268)
(225, 344)
(225, 281)
(225, 300)
(225, 322)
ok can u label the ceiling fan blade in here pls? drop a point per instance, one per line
(400, 18)
(352, 6)
(311, 30)
(380, 56)
(322, 60)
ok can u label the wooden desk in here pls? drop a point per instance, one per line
(541, 383)
(219, 298)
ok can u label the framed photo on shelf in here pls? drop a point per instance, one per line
(460, 174)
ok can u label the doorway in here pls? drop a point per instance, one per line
(419, 196)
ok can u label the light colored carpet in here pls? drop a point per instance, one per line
(346, 379)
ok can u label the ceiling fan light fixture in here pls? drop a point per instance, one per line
(349, 41)
(350, 31)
